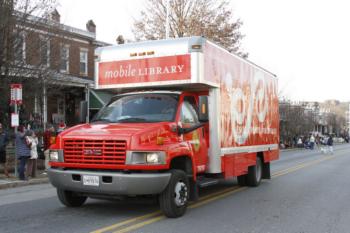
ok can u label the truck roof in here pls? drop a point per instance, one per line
(172, 45)
(177, 62)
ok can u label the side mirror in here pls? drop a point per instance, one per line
(83, 111)
(188, 130)
(203, 113)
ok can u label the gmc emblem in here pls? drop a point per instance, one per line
(92, 152)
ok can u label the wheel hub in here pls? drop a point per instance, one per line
(180, 193)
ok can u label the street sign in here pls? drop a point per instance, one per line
(16, 93)
(14, 120)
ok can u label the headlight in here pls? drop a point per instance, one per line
(54, 156)
(152, 157)
(147, 157)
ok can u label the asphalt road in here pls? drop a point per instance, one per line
(309, 192)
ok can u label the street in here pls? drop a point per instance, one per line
(309, 192)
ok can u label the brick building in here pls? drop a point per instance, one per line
(55, 64)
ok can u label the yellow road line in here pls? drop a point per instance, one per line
(292, 169)
(236, 190)
(111, 227)
(141, 224)
(195, 205)
(202, 201)
(216, 193)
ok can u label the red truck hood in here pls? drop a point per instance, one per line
(118, 131)
(137, 135)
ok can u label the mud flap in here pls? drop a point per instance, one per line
(194, 195)
(266, 173)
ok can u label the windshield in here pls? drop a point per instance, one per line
(139, 108)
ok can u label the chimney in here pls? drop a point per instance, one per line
(55, 16)
(90, 26)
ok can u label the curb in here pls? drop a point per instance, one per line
(20, 183)
(291, 149)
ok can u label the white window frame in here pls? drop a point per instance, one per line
(67, 58)
(86, 51)
(48, 53)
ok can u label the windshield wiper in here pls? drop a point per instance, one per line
(132, 119)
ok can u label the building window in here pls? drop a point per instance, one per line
(83, 62)
(20, 47)
(44, 51)
(64, 59)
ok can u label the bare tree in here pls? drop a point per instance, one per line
(209, 18)
(337, 123)
(22, 48)
(295, 121)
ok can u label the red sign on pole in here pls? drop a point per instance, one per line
(16, 93)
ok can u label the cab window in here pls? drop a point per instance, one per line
(188, 111)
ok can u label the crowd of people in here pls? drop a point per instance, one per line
(323, 143)
(28, 149)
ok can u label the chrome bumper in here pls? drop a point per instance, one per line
(110, 183)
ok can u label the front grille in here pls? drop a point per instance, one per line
(101, 152)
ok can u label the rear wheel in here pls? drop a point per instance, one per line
(174, 199)
(254, 175)
(70, 199)
(242, 180)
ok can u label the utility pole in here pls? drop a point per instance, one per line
(349, 121)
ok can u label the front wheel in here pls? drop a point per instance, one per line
(174, 199)
(70, 199)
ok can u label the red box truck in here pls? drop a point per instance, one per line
(186, 114)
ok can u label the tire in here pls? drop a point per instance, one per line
(173, 200)
(242, 180)
(254, 175)
(70, 199)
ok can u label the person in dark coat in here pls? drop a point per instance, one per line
(330, 144)
(22, 151)
(4, 140)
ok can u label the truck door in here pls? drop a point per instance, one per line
(196, 138)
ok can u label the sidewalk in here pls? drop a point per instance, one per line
(15, 182)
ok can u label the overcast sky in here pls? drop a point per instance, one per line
(306, 43)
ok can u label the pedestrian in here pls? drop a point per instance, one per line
(61, 127)
(300, 143)
(22, 151)
(330, 144)
(312, 142)
(49, 136)
(4, 140)
(32, 161)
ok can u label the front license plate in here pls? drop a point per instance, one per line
(91, 180)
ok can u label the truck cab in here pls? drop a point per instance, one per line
(143, 137)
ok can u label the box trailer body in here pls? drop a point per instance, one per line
(207, 114)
